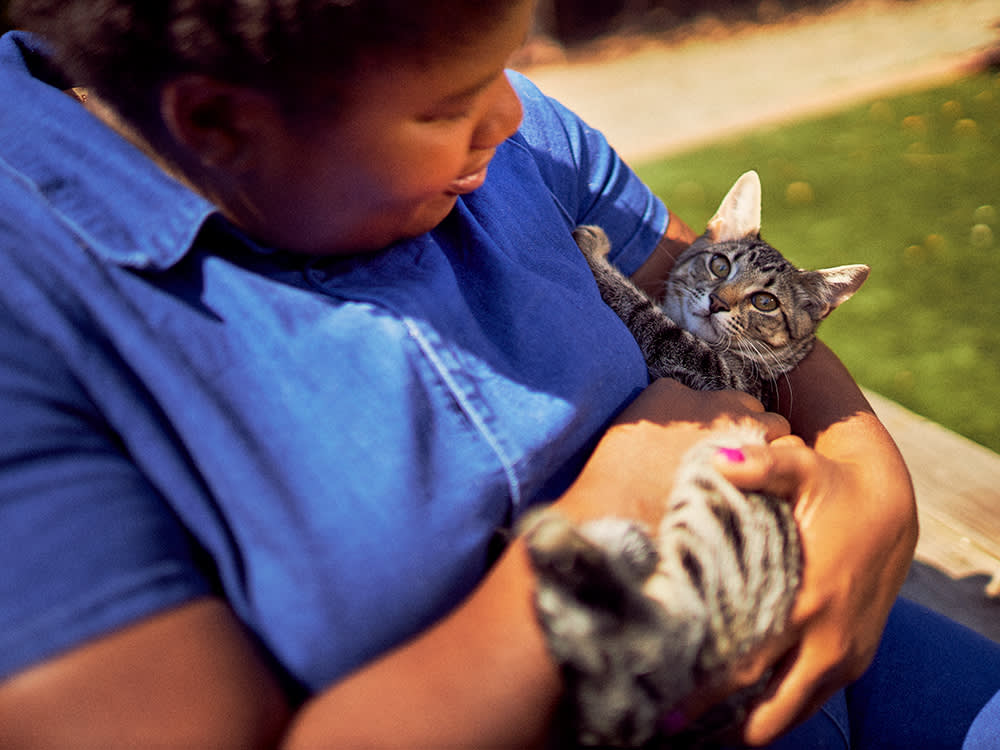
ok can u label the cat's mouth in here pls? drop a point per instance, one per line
(705, 326)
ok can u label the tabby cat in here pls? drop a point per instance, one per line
(638, 622)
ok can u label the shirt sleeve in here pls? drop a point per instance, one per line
(87, 544)
(588, 179)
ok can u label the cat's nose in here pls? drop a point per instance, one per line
(716, 304)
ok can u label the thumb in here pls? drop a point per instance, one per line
(779, 469)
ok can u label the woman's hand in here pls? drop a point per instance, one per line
(856, 512)
(858, 534)
(631, 471)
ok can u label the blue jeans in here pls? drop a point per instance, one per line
(929, 681)
(985, 731)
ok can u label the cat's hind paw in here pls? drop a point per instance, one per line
(592, 241)
(567, 554)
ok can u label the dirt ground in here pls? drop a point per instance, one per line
(652, 96)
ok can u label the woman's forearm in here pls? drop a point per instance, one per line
(479, 678)
(827, 409)
(652, 275)
(820, 399)
(857, 517)
(482, 677)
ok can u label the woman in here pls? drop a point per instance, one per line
(293, 324)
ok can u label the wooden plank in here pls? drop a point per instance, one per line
(957, 484)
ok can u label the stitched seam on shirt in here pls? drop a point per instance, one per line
(82, 236)
(469, 410)
(79, 234)
(841, 729)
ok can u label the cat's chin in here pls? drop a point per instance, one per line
(702, 326)
(707, 332)
(678, 310)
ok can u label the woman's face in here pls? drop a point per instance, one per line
(417, 136)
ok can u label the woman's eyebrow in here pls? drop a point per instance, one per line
(472, 90)
(483, 83)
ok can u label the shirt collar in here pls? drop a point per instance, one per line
(101, 187)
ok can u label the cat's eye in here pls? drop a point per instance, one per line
(719, 265)
(764, 301)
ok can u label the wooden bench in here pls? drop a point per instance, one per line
(957, 484)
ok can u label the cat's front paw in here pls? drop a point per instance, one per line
(592, 241)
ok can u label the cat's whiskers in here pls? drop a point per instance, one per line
(764, 371)
(759, 353)
(750, 355)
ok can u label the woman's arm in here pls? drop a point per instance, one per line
(857, 515)
(482, 677)
(653, 273)
(192, 677)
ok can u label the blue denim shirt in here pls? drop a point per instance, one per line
(329, 443)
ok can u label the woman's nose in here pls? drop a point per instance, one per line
(502, 117)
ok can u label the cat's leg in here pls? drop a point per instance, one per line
(617, 291)
(592, 241)
(617, 648)
(636, 626)
(669, 350)
(730, 561)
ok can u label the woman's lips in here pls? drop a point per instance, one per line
(472, 181)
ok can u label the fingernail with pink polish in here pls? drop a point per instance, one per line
(733, 455)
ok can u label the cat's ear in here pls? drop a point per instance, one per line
(835, 286)
(739, 213)
(844, 281)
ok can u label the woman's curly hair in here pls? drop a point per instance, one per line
(125, 50)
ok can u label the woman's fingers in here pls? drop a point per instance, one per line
(797, 691)
(768, 658)
(782, 468)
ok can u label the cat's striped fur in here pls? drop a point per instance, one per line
(639, 621)
(736, 313)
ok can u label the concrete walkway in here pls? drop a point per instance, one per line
(661, 98)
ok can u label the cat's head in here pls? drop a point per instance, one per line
(738, 293)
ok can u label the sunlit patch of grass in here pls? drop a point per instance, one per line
(911, 186)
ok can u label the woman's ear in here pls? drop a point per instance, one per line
(220, 125)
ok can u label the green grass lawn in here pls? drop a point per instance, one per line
(911, 186)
